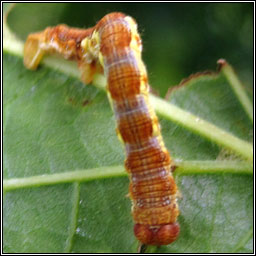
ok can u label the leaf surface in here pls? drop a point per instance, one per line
(53, 125)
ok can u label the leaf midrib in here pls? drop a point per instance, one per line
(184, 168)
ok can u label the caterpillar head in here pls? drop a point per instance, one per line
(161, 235)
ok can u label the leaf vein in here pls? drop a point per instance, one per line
(73, 218)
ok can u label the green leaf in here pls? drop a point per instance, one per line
(64, 180)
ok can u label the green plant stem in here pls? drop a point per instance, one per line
(213, 167)
(65, 177)
(183, 168)
(11, 44)
(164, 108)
(202, 127)
(238, 89)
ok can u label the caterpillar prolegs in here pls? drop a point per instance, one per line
(114, 47)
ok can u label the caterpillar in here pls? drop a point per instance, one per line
(114, 46)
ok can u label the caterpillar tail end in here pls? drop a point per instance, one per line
(161, 235)
(33, 53)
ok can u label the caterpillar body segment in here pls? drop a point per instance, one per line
(65, 41)
(114, 46)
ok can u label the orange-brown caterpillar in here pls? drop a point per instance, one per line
(114, 46)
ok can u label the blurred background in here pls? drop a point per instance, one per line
(178, 38)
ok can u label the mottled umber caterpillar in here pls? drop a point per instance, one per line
(114, 46)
